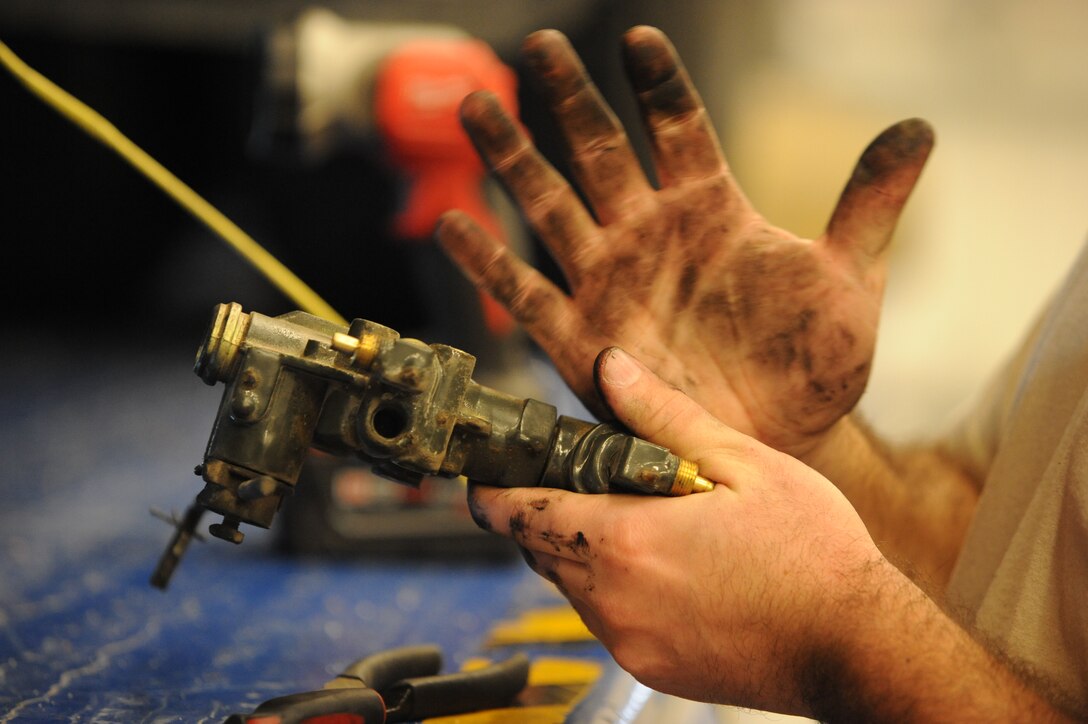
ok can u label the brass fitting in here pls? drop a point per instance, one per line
(362, 350)
(218, 356)
(688, 480)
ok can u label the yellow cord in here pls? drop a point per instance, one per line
(98, 127)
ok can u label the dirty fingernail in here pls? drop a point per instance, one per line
(620, 368)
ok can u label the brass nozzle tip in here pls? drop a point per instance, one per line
(688, 480)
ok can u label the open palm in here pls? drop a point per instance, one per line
(772, 333)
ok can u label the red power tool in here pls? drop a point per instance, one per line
(418, 93)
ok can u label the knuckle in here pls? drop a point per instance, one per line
(626, 654)
(601, 146)
(660, 415)
(516, 151)
(527, 297)
(639, 657)
(544, 206)
(499, 276)
(625, 545)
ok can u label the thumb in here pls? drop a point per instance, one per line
(883, 179)
(656, 411)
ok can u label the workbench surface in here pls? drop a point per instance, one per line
(91, 443)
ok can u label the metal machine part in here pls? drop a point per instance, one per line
(298, 382)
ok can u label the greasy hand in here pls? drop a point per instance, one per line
(772, 333)
(737, 595)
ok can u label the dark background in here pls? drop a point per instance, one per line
(96, 253)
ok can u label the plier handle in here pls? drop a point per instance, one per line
(397, 685)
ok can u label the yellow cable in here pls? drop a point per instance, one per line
(98, 127)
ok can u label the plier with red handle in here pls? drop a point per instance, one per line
(398, 685)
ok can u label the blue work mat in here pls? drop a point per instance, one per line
(90, 442)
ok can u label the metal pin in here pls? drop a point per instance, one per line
(362, 349)
(184, 532)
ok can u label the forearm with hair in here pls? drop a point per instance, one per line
(916, 502)
(900, 658)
